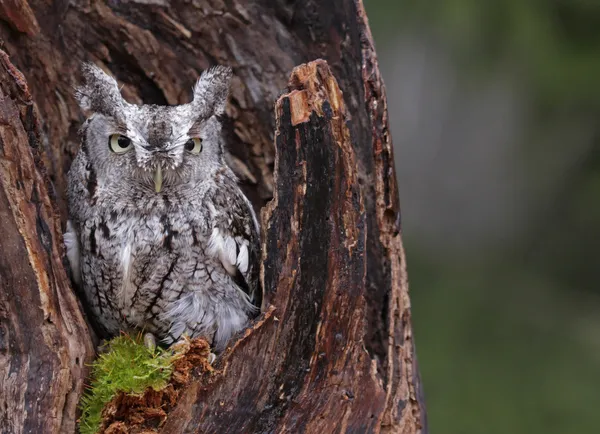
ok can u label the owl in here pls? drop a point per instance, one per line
(160, 237)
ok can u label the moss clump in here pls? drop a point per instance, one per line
(128, 366)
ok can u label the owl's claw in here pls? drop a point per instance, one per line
(150, 341)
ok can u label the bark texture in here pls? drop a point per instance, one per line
(308, 352)
(44, 341)
(334, 350)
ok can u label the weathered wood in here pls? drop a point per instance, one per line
(156, 51)
(304, 368)
(405, 407)
(44, 342)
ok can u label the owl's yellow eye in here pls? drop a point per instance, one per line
(119, 144)
(194, 145)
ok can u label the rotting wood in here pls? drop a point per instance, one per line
(44, 341)
(132, 414)
(405, 407)
(304, 366)
(20, 16)
(156, 51)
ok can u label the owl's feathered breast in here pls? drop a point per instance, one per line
(162, 238)
(179, 261)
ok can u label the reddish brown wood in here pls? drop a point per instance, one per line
(354, 268)
(19, 15)
(304, 367)
(44, 342)
(405, 407)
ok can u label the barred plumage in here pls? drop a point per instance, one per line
(160, 238)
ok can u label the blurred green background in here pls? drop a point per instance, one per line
(495, 114)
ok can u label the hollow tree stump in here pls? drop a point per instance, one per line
(305, 367)
(333, 351)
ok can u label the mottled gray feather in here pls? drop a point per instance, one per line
(183, 260)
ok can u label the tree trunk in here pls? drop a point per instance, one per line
(333, 351)
(44, 341)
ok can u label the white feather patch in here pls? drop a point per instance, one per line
(126, 260)
(226, 249)
(242, 259)
(229, 249)
(223, 247)
(72, 245)
(127, 289)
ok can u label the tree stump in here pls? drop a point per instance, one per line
(333, 351)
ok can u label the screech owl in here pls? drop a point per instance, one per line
(160, 236)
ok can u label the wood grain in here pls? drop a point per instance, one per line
(341, 247)
(304, 366)
(44, 342)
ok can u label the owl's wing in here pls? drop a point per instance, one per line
(234, 254)
(235, 241)
(72, 245)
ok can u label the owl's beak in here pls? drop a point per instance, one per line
(158, 179)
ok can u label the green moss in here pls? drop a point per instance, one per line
(128, 366)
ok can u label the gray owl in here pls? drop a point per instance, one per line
(161, 239)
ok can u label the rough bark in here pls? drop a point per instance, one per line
(44, 341)
(336, 335)
(308, 352)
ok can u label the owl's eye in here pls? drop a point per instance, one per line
(194, 145)
(119, 144)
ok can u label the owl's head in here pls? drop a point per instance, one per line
(153, 147)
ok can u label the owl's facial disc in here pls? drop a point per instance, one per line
(192, 146)
(160, 163)
(120, 144)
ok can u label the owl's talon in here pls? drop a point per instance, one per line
(150, 341)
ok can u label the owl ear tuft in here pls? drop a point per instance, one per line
(212, 88)
(99, 91)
